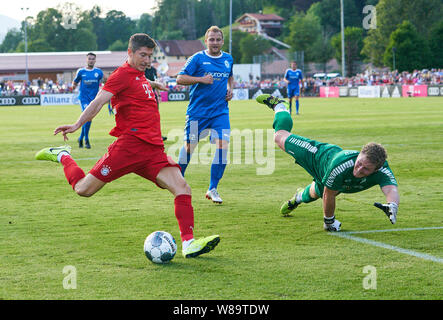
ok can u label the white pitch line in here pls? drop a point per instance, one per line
(346, 235)
(393, 230)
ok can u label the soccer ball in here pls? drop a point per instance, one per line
(160, 247)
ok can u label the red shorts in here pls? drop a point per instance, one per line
(130, 154)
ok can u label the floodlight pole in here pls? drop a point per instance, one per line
(230, 26)
(26, 44)
(393, 57)
(342, 24)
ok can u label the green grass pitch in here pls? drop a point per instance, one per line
(45, 226)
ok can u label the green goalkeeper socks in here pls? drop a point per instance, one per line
(282, 121)
(306, 198)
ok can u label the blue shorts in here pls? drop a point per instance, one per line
(293, 92)
(197, 129)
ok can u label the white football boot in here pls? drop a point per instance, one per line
(335, 226)
(214, 196)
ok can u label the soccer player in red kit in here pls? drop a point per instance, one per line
(139, 146)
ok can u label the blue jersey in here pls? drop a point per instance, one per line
(89, 83)
(294, 77)
(208, 100)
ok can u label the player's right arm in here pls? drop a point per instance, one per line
(90, 112)
(186, 80)
(329, 196)
(77, 79)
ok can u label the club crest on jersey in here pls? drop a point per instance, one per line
(227, 64)
(105, 170)
(96, 75)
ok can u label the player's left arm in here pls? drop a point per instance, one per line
(230, 90)
(158, 85)
(90, 112)
(390, 208)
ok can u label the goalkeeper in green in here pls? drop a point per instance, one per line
(334, 170)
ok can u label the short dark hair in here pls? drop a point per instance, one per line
(139, 40)
(91, 54)
(375, 153)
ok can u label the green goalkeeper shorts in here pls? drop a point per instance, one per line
(311, 155)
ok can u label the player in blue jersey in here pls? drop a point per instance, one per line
(89, 79)
(209, 73)
(293, 77)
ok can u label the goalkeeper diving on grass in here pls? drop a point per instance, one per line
(333, 169)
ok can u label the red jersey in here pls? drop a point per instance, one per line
(136, 110)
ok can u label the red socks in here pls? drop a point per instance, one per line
(185, 216)
(72, 171)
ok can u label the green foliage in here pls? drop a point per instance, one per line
(353, 47)
(305, 30)
(411, 50)
(251, 46)
(11, 41)
(118, 45)
(118, 26)
(144, 24)
(423, 14)
(436, 45)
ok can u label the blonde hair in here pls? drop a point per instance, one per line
(375, 153)
(213, 29)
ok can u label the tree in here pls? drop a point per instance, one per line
(144, 24)
(411, 50)
(304, 31)
(436, 45)
(329, 13)
(11, 40)
(96, 17)
(117, 26)
(251, 46)
(353, 46)
(423, 14)
(236, 50)
(118, 45)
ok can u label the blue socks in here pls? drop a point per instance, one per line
(85, 131)
(296, 106)
(183, 160)
(218, 167)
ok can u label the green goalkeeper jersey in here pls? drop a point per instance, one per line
(331, 166)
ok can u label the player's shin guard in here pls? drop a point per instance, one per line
(73, 172)
(185, 216)
(218, 167)
(282, 121)
(306, 197)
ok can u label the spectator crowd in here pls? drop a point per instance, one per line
(32, 88)
(311, 85)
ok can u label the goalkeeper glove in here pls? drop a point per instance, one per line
(389, 209)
